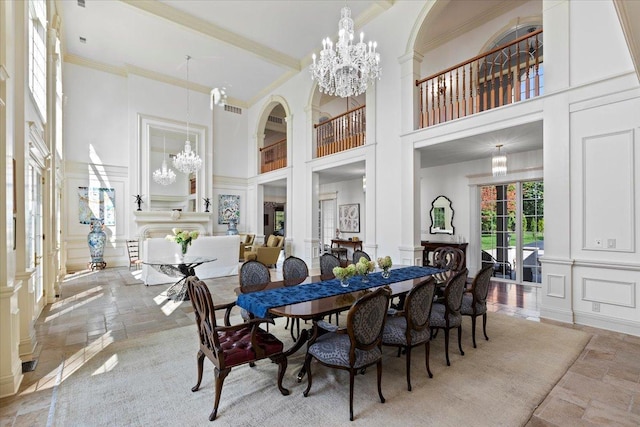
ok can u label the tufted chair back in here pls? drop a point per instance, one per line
(229, 345)
(360, 254)
(327, 263)
(294, 271)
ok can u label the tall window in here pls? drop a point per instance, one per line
(38, 54)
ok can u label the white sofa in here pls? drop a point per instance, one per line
(223, 248)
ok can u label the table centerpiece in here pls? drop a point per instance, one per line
(385, 264)
(183, 238)
(344, 273)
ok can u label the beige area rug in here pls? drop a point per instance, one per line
(148, 382)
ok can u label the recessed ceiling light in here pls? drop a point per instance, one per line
(83, 40)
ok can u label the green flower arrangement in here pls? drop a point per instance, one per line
(343, 273)
(364, 266)
(385, 263)
(183, 238)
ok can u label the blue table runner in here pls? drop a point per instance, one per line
(260, 302)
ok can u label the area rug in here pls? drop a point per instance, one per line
(147, 381)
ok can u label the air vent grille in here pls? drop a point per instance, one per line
(233, 109)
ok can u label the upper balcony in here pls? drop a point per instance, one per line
(510, 73)
(343, 132)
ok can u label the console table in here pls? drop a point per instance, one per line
(338, 243)
(431, 246)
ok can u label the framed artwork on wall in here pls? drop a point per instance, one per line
(349, 218)
(228, 208)
(96, 202)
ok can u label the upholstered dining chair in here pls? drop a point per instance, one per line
(327, 263)
(229, 346)
(446, 315)
(474, 301)
(294, 272)
(355, 346)
(254, 276)
(360, 254)
(409, 328)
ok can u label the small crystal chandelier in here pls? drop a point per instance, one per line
(499, 162)
(347, 70)
(187, 161)
(164, 175)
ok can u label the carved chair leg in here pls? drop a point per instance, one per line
(382, 400)
(220, 376)
(473, 330)
(200, 362)
(484, 326)
(307, 369)
(408, 362)
(460, 339)
(446, 345)
(281, 360)
(427, 349)
(352, 374)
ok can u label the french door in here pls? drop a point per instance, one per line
(34, 228)
(512, 229)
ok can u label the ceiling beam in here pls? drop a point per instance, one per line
(194, 23)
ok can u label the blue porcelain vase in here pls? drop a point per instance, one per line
(96, 240)
(232, 229)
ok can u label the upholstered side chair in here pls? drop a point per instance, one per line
(446, 315)
(294, 272)
(360, 254)
(474, 301)
(229, 346)
(409, 328)
(355, 346)
(327, 263)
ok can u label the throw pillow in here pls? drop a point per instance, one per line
(272, 242)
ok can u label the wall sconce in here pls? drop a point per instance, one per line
(364, 184)
(499, 162)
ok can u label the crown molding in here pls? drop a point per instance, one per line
(193, 23)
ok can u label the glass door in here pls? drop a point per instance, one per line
(327, 223)
(34, 228)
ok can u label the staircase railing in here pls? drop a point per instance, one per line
(348, 130)
(273, 156)
(504, 75)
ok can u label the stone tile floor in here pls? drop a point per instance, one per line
(601, 388)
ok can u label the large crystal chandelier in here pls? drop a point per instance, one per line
(187, 161)
(164, 175)
(347, 69)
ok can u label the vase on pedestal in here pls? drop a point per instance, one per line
(96, 240)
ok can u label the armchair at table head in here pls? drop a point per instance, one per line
(327, 263)
(356, 346)
(228, 346)
(449, 259)
(447, 315)
(474, 301)
(409, 328)
(357, 254)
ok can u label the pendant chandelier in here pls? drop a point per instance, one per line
(187, 161)
(164, 175)
(347, 69)
(499, 162)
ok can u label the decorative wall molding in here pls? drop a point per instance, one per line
(610, 292)
(556, 286)
(81, 168)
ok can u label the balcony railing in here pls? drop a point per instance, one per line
(273, 156)
(504, 75)
(341, 133)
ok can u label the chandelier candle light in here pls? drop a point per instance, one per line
(187, 161)
(347, 69)
(164, 175)
(499, 162)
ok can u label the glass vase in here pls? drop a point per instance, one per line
(344, 282)
(365, 278)
(386, 273)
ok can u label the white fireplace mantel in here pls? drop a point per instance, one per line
(160, 223)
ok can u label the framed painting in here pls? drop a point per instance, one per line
(349, 218)
(228, 208)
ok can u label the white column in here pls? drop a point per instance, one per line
(311, 243)
(409, 218)
(26, 305)
(409, 105)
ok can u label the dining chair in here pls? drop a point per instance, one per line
(230, 345)
(474, 301)
(446, 315)
(133, 249)
(450, 260)
(327, 264)
(360, 254)
(354, 347)
(253, 276)
(409, 328)
(294, 272)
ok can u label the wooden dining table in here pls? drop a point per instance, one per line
(315, 298)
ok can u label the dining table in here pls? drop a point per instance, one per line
(317, 297)
(179, 267)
